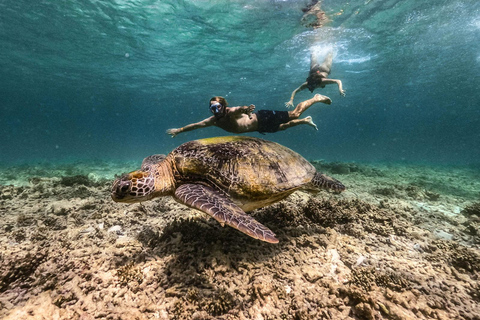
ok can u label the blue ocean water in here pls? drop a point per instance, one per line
(105, 79)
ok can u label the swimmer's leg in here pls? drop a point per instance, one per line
(303, 106)
(309, 121)
(295, 122)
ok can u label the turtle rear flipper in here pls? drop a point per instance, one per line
(223, 209)
(322, 181)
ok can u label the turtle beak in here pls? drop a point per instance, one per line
(133, 187)
(120, 189)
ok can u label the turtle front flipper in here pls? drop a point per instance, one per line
(223, 209)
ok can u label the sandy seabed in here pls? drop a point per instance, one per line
(401, 243)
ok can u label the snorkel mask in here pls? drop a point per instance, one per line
(216, 108)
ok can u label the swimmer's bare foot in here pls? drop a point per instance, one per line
(324, 99)
(310, 122)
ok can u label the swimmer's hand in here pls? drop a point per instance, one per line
(173, 132)
(289, 104)
(248, 110)
(343, 93)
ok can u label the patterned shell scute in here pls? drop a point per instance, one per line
(244, 166)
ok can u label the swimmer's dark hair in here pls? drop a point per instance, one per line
(314, 80)
(220, 100)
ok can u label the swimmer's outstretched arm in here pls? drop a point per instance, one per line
(338, 82)
(303, 86)
(189, 127)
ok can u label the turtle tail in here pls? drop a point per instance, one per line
(322, 181)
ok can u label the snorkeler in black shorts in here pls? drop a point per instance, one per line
(317, 77)
(242, 119)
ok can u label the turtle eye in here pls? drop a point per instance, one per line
(123, 187)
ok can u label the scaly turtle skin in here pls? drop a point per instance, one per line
(224, 177)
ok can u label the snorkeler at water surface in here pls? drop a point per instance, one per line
(317, 77)
(242, 119)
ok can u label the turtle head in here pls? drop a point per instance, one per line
(154, 179)
(133, 187)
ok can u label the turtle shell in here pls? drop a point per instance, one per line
(252, 171)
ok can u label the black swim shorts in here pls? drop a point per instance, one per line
(270, 120)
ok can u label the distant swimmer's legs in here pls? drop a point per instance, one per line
(302, 106)
(313, 61)
(295, 122)
(327, 63)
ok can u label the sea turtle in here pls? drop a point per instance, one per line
(224, 177)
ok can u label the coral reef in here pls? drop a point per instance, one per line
(384, 249)
(472, 209)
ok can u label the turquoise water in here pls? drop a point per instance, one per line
(105, 79)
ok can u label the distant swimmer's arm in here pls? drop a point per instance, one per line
(338, 82)
(189, 127)
(303, 86)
